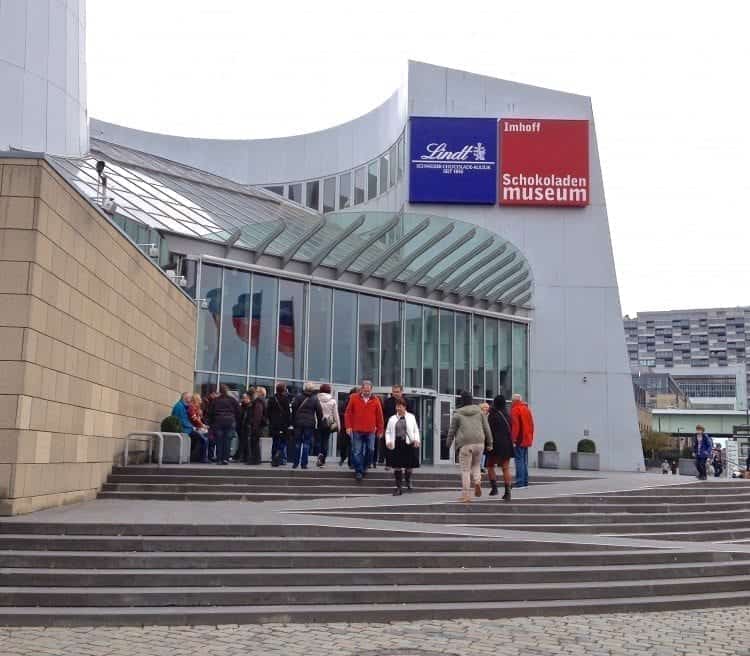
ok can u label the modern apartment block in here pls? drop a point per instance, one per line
(704, 350)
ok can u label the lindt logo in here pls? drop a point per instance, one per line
(439, 151)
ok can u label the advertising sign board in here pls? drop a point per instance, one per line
(544, 162)
(453, 160)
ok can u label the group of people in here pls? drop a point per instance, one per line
(707, 458)
(371, 432)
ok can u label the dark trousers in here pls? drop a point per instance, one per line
(344, 444)
(322, 438)
(279, 446)
(253, 454)
(379, 455)
(522, 466)
(198, 447)
(302, 442)
(224, 435)
(700, 465)
(242, 446)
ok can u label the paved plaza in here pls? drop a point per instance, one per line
(686, 633)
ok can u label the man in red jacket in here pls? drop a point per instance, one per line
(522, 434)
(363, 419)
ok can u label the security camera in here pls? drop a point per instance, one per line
(109, 206)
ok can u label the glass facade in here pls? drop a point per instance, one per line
(258, 329)
(329, 195)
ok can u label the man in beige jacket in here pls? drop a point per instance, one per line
(471, 431)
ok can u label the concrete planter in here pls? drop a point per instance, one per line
(549, 460)
(687, 467)
(584, 461)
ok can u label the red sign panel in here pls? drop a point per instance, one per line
(544, 162)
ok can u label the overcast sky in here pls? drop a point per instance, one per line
(669, 82)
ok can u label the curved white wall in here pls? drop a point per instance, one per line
(279, 160)
(43, 76)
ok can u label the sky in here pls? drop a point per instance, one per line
(668, 81)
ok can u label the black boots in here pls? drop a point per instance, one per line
(493, 491)
(397, 475)
(407, 477)
(506, 496)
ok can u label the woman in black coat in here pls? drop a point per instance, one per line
(502, 448)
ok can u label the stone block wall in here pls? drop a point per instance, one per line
(95, 341)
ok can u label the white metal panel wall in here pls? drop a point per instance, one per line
(43, 76)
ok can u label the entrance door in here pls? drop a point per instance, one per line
(446, 405)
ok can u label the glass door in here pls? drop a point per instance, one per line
(446, 405)
(426, 421)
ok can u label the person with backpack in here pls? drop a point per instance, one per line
(502, 445)
(471, 432)
(258, 420)
(279, 412)
(307, 415)
(703, 446)
(330, 423)
(224, 417)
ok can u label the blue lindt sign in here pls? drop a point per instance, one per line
(453, 160)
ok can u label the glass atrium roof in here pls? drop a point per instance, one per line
(435, 253)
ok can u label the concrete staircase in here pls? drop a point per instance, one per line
(715, 512)
(126, 574)
(243, 483)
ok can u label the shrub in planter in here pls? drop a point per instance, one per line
(585, 457)
(549, 458)
(171, 425)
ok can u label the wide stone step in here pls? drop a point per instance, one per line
(141, 578)
(279, 544)
(227, 496)
(504, 519)
(591, 556)
(290, 529)
(281, 473)
(300, 489)
(369, 594)
(191, 615)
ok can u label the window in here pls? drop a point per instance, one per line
(391, 336)
(359, 186)
(477, 356)
(413, 345)
(291, 341)
(209, 319)
(490, 357)
(319, 345)
(392, 161)
(504, 358)
(401, 152)
(430, 348)
(329, 195)
(446, 352)
(384, 173)
(312, 194)
(235, 321)
(345, 190)
(204, 384)
(345, 337)
(519, 360)
(463, 347)
(369, 339)
(295, 192)
(276, 189)
(372, 180)
(263, 326)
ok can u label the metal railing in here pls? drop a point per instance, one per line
(160, 438)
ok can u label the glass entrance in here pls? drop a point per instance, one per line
(446, 406)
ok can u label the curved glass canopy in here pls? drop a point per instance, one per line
(433, 253)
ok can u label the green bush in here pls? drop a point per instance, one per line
(549, 446)
(171, 425)
(586, 446)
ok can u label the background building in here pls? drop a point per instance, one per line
(704, 350)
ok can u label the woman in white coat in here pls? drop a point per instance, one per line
(402, 446)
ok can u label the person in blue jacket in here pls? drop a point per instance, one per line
(198, 441)
(703, 446)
